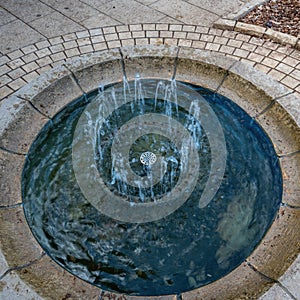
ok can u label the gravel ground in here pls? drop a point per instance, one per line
(280, 15)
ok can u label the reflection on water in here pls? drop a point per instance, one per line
(188, 248)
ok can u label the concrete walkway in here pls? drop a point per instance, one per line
(26, 22)
(37, 35)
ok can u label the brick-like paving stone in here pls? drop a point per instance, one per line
(256, 52)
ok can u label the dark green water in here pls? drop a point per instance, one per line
(186, 249)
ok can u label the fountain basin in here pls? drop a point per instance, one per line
(233, 79)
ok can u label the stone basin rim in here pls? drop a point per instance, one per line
(213, 71)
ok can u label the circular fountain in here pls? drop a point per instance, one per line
(150, 188)
(157, 184)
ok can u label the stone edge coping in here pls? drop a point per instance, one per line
(254, 275)
(258, 31)
(21, 66)
(230, 22)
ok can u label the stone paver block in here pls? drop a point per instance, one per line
(227, 49)
(284, 68)
(15, 54)
(55, 24)
(185, 12)
(72, 52)
(4, 59)
(262, 51)
(86, 49)
(12, 287)
(43, 52)
(18, 245)
(30, 76)
(202, 67)
(5, 91)
(29, 49)
(262, 68)
(277, 55)
(149, 61)
(51, 91)
(4, 80)
(296, 74)
(184, 43)
(4, 69)
(42, 44)
(280, 37)
(101, 68)
(16, 84)
(276, 293)
(19, 124)
(291, 278)
(22, 34)
(276, 74)
(212, 47)
(272, 63)
(250, 29)
(241, 283)
(11, 166)
(224, 24)
(281, 128)
(290, 166)
(280, 246)
(255, 57)
(257, 41)
(290, 82)
(51, 281)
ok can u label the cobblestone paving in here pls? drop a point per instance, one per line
(39, 35)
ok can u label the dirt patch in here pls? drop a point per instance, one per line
(280, 15)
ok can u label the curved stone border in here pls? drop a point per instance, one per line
(32, 106)
(22, 66)
(230, 22)
(258, 31)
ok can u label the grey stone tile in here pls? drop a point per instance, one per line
(17, 35)
(146, 2)
(130, 11)
(3, 264)
(275, 293)
(219, 7)
(5, 17)
(291, 278)
(74, 9)
(28, 10)
(99, 20)
(14, 288)
(95, 3)
(185, 12)
(55, 24)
